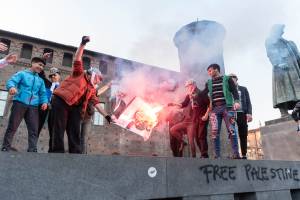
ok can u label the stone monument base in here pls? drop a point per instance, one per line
(280, 140)
(38, 176)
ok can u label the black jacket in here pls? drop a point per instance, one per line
(199, 103)
(245, 100)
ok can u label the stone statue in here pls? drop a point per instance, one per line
(284, 56)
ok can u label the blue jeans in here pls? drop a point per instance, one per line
(218, 113)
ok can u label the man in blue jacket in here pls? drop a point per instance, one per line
(29, 92)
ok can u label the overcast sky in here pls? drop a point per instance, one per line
(143, 30)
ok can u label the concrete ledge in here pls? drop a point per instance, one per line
(279, 120)
(65, 176)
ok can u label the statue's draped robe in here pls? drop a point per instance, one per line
(285, 59)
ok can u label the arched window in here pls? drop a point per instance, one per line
(67, 59)
(26, 51)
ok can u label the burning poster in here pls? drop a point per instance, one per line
(139, 117)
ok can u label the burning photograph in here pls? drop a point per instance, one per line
(139, 117)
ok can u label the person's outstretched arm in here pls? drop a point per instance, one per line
(79, 52)
(9, 59)
(77, 66)
(103, 112)
(183, 104)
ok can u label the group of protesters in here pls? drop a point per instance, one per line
(222, 98)
(65, 103)
(69, 105)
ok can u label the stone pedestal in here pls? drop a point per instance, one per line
(280, 140)
(33, 176)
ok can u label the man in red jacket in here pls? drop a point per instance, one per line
(69, 103)
(196, 123)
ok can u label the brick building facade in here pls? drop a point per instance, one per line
(104, 138)
(255, 150)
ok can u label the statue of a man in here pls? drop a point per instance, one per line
(285, 59)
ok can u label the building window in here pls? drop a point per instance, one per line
(3, 98)
(26, 51)
(47, 50)
(86, 62)
(98, 118)
(103, 67)
(67, 59)
(7, 43)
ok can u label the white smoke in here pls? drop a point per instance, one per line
(154, 85)
(247, 25)
(150, 83)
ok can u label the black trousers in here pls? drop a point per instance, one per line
(64, 118)
(31, 117)
(243, 131)
(50, 127)
(42, 118)
(201, 138)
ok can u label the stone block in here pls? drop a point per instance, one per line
(274, 195)
(76, 177)
(280, 141)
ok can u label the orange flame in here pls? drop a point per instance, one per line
(146, 116)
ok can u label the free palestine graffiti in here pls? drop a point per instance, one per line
(252, 173)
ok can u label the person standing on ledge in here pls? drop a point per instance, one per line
(244, 115)
(86, 122)
(29, 92)
(196, 126)
(50, 85)
(224, 100)
(69, 103)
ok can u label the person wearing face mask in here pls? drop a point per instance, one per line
(69, 103)
(29, 92)
(196, 125)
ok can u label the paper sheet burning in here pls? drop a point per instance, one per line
(139, 117)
